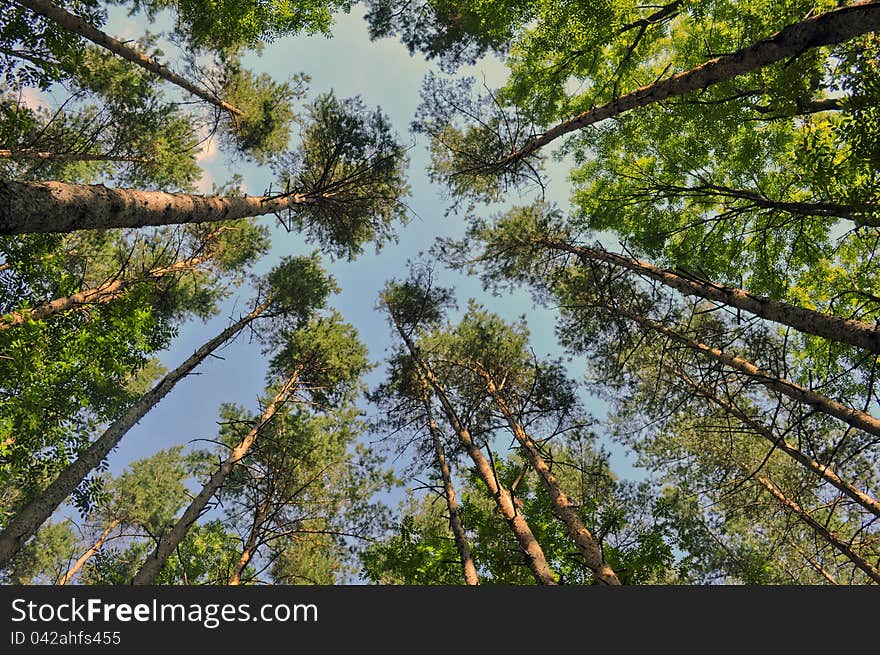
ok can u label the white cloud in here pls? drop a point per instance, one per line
(205, 183)
(34, 99)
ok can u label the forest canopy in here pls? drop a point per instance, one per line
(430, 292)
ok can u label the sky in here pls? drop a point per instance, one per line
(382, 73)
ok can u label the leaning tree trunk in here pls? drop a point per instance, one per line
(534, 554)
(562, 506)
(469, 569)
(853, 417)
(23, 525)
(250, 545)
(27, 207)
(824, 471)
(821, 530)
(86, 556)
(171, 539)
(824, 29)
(77, 25)
(834, 328)
(103, 293)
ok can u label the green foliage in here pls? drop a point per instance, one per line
(263, 129)
(420, 551)
(36, 52)
(45, 558)
(452, 32)
(227, 24)
(349, 172)
(305, 500)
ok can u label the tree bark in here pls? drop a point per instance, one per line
(854, 417)
(823, 471)
(250, 545)
(823, 532)
(27, 207)
(534, 554)
(86, 556)
(834, 328)
(827, 28)
(23, 525)
(103, 293)
(469, 569)
(77, 25)
(171, 539)
(583, 539)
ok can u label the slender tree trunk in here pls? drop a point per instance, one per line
(40, 155)
(469, 569)
(534, 554)
(854, 417)
(171, 539)
(583, 539)
(77, 25)
(823, 532)
(103, 293)
(823, 471)
(817, 566)
(61, 207)
(834, 328)
(23, 525)
(250, 546)
(827, 28)
(86, 556)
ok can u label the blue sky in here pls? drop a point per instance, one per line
(383, 73)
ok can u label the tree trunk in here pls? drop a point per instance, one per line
(534, 554)
(77, 25)
(171, 539)
(854, 417)
(823, 532)
(23, 525)
(827, 28)
(103, 293)
(855, 333)
(86, 556)
(61, 207)
(583, 539)
(823, 471)
(817, 566)
(250, 545)
(469, 569)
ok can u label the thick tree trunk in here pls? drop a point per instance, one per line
(27, 207)
(77, 25)
(103, 293)
(583, 539)
(823, 471)
(534, 554)
(854, 417)
(23, 525)
(469, 569)
(86, 556)
(171, 539)
(828, 28)
(834, 328)
(821, 531)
